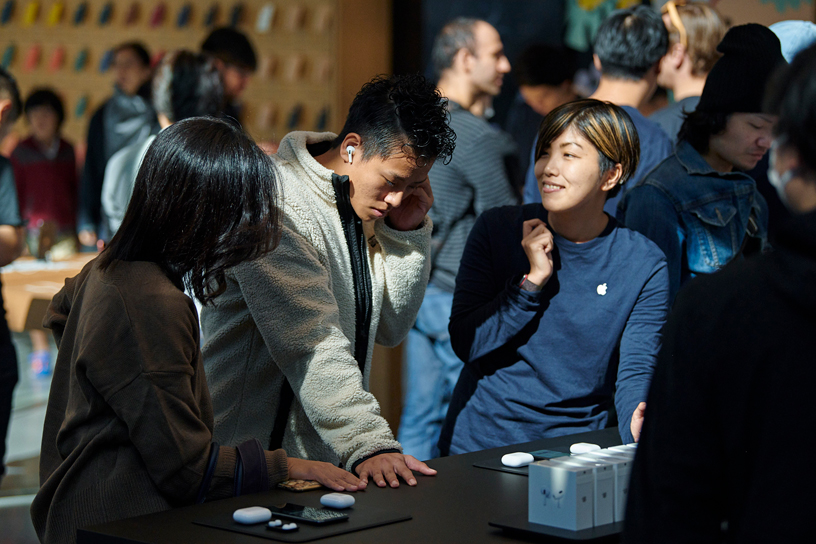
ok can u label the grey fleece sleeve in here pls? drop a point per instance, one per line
(404, 261)
(288, 293)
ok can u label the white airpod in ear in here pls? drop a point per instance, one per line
(350, 151)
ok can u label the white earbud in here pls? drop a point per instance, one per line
(350, 151)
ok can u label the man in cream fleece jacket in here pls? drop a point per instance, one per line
(289, 344)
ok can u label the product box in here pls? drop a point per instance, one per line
(603, 496)
(622, 467)
(561, 495)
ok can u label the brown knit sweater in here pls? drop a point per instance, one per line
(128, 430)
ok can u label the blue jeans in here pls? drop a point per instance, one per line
(430, 372)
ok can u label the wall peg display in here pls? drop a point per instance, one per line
(106, 61)
(8, 56)
(211, 16)
(32, 58)
(265, 17)
(157, 17)
(80, 13)
(57, 59)
(31, 13)
(7, 12)
(132, 15)
(56, 12)
(237, 14)
(183, 18)
(105, 14)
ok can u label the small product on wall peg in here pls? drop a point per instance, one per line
(8, 12)
(237, 14)
(57, 59)
(267, 115)
(8, 56)
(212, 15)
(268, 66)
(157, 17)
(106, 14)
(32, 11)
(81, 60)
(80, 13)
(81, 106)
(322, 21)
(56, 12)
(265, 18)
(295, 18)
(183, 18)
(293, 120)
(106, 61)
(32, 58)
(322, 120)
(322, 71)
(132, 14)
(295, 67)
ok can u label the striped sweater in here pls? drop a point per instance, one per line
(476, 179)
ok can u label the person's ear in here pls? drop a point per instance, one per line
(351, 148)
(612, 177)
(596, 60)
(5, 107)
(677, 55)
(463, 60)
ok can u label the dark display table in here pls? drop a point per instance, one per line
(453, 506)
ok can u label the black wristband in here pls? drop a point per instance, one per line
(254, 477)
(358, 462)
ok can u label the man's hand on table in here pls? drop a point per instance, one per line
(325, 473)
(386, 467)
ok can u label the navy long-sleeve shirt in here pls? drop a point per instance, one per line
(549, 363)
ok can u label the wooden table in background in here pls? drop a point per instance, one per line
(29, 285)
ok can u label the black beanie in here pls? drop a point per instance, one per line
(750, 55)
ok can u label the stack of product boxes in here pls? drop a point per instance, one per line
(579, 492)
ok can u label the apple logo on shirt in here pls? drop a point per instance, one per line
(602, 289)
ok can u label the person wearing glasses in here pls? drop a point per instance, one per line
(695, 29)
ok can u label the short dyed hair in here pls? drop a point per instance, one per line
(232, 47)
(9, 91)
(48, 98)
(704, 30)
(186, 85)
(455, 35)
(630, 42)
(205, 200)
(400, 114)
(606, 126)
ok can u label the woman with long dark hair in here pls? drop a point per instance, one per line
(128, 429)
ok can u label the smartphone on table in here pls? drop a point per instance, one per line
(307, 514)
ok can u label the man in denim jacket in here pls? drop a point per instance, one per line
(698, 206)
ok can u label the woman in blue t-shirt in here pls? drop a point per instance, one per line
(558, 309)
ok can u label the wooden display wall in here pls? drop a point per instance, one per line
(313, 55)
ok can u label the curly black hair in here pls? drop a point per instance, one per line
(400, 113)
